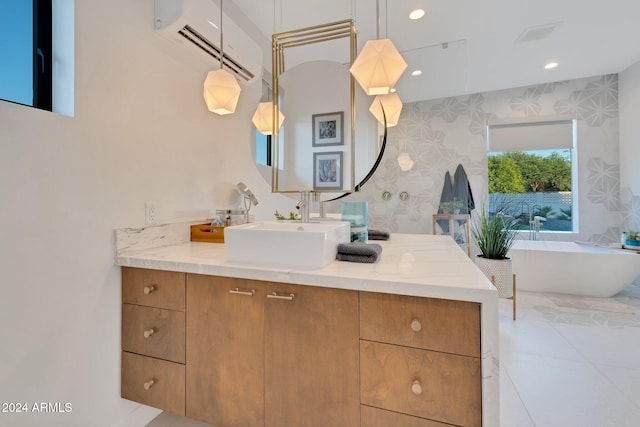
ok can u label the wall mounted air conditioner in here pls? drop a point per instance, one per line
(193, 25)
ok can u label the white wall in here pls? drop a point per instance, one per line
(630, 146)
(140, 133)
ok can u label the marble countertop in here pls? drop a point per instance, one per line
(411, 264)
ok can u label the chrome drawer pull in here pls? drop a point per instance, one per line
(238, 291)
(149, 332)
(275, 295)
(416, 326)
(149, 384)
(416, 387)
(149, 289)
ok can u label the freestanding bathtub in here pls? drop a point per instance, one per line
(572, 268)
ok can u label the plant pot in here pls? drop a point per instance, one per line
(501, 271)
(632, 242)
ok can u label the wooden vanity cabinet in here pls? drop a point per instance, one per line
(237, 352)
(419, 361)
(153, 338)
(271, 354)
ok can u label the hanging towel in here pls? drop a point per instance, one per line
(380, 234)
(462, 190)
(447, 190)
(359, 252)
(445, 196)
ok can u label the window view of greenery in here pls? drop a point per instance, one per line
(530, 184)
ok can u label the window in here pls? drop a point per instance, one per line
(533, 174)
(37, 54)
(26, 53)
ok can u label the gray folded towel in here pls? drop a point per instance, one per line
(359, 252)
(381, 234)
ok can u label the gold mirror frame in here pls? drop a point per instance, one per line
(301, 37)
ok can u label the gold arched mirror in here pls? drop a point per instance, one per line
(316, 148)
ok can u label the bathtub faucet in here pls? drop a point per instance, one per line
(534, 227)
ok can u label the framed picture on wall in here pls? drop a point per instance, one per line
(328, 129)
(327, 170)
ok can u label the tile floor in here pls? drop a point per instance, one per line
(566, 361)
(571, 361)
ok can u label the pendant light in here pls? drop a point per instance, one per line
(379, 65)
(221, 89)
(392, 108)
(405, 162)
(263, 118)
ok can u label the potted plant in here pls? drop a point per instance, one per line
(633, 238)
(494, 236)
(452, 207)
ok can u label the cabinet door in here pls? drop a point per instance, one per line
(428, 384)
(154, 382)
(225, 371)
(153, 288)
(311, 357)
(153, 332)
(374, 417)
(429, 323)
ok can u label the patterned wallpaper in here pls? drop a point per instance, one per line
(630, 209)
(440, 134)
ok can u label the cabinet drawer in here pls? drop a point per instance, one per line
(154, 382)
(154, 288)
(428, 323)
(374, 417)
(427, 384)
(153, 332)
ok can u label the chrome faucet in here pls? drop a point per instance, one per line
(303, 206)
(315, 196)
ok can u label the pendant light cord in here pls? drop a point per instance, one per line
(221, 40)
(386, 19)
(377, 19)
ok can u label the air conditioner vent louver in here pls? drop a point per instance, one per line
(196, 38)
(189, 25)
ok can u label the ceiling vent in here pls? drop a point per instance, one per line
(193, 25)
(537, 33)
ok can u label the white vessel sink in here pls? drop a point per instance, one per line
(285, 244)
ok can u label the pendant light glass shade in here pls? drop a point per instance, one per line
(392, 108)
(405, 162)
(221, 92)
(378, 67)
(263, 118)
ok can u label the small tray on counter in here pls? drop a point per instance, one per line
(207, 233)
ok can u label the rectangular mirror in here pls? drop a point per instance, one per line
(314, 149)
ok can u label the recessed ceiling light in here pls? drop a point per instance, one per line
(550, 65)
(416, 14)
(416, 73)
